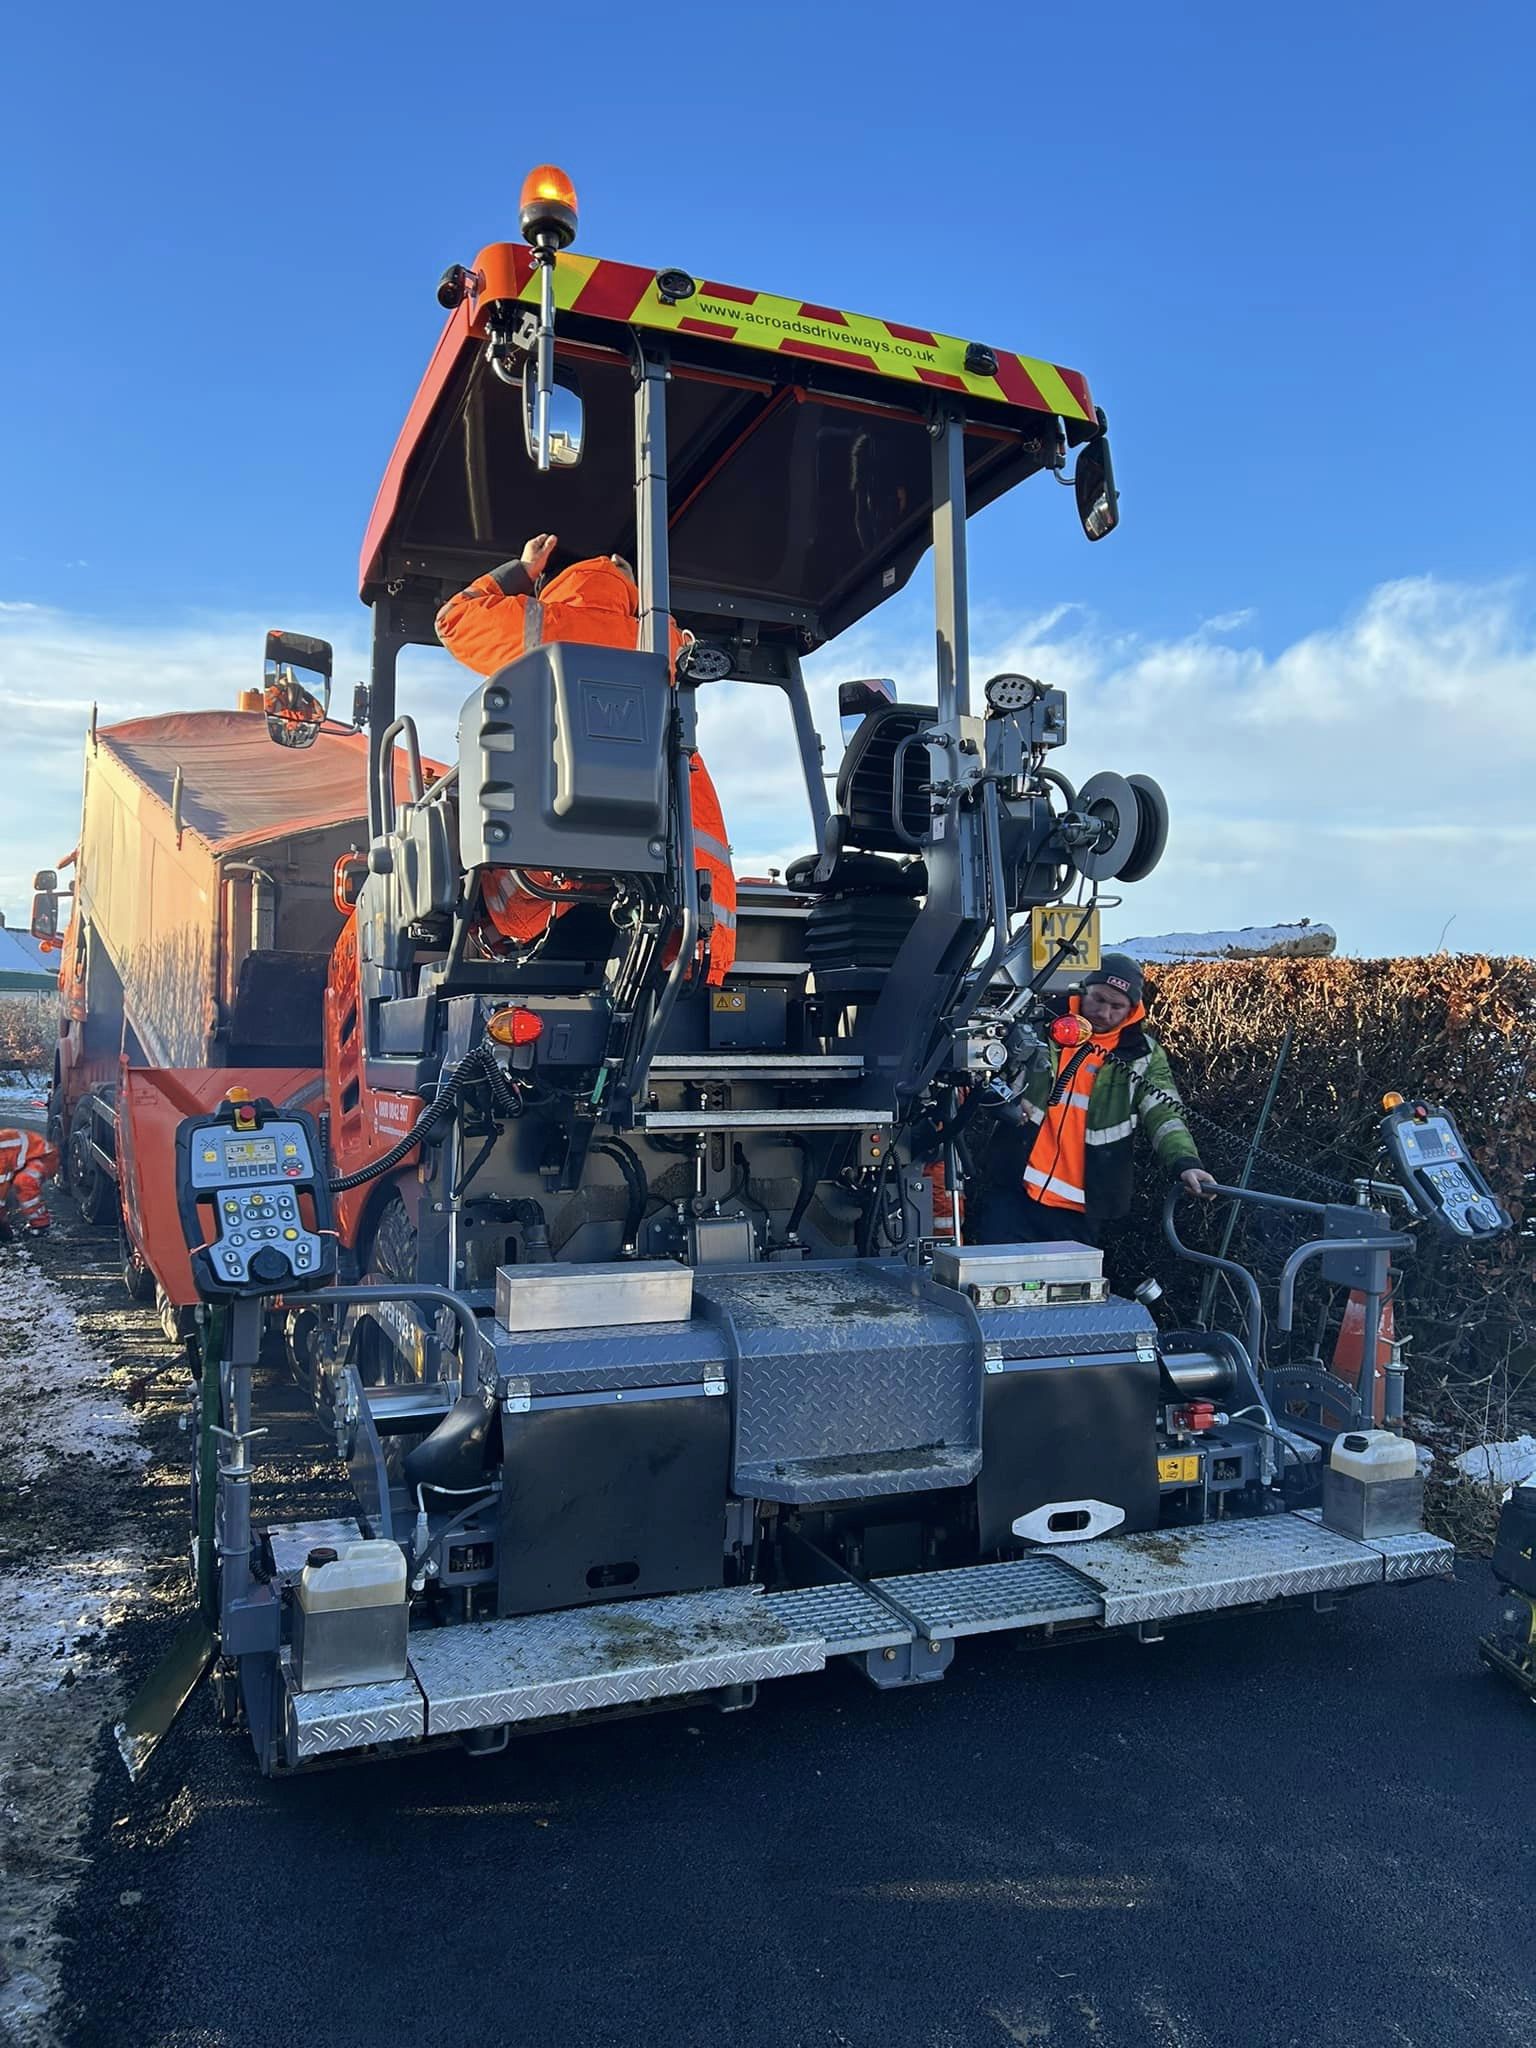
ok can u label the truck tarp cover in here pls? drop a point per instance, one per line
(153, 904)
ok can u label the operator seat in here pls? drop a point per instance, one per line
(866, 894)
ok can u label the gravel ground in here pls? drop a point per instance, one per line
(1289, 1829)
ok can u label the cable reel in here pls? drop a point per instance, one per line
(1130, 813)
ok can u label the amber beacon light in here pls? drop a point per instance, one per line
(547, 208)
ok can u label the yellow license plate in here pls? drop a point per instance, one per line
(1181, 1471)
(1054, 926)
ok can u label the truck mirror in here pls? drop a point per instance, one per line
(45, 905)
(567, 418)
(1098, 502)
(855, 699)
(296, 688)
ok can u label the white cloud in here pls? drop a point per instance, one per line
(1375, 774)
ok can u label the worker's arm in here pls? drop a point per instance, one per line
(484, 626)
(1159, 1108)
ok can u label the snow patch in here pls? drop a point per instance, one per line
(53, 1382)
(1303, 941)
(1503, 1465)
(58, 1684)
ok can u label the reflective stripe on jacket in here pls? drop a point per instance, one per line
(1097, 1174)
(594, 603)
(22, 1171)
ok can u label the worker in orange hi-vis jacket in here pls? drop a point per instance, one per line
(26, 1161)
(595, 602)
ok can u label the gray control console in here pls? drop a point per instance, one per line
(254, 1203)
(1433, 1162)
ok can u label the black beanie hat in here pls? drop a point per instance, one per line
(1119, 972)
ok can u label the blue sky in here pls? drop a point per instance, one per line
(1285, 245)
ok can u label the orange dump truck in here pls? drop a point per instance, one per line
(195, 957)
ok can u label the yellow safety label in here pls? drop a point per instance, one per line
(1179, 1471)
(732, 1001)
(1054, 926)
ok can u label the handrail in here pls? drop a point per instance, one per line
(1255, 1338)
(386, 768)
(412, 1291)
(1398, 1242)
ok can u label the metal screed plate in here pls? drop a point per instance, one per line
(974, 1600)
(1413, 1555)
(350, 1716)
(1168, 1572)
(485, 1673)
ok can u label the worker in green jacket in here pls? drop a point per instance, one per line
(1059, 1165)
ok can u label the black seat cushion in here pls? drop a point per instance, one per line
(858, 874)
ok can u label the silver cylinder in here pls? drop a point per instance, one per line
(1199, 1372)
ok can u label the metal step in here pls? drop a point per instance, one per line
(291, 1543)
(792, 1117)
(1168, 1572)
(722, 1062)
(484, 1674)
(848, 1619)
(975, 1600)
(875, 1475)
(1414, 1555)
(349, 1717)
(410, 1408)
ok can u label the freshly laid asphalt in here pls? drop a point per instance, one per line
(1285, 1830)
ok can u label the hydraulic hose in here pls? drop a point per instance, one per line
(808, 1179)
(480, 1064)
(636, 1182)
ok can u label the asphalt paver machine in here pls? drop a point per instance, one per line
(621, 1292)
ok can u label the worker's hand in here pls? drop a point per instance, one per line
(536, 553)
(1199, 1182)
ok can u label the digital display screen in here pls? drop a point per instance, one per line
(250, 1151)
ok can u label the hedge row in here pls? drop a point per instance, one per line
(1457, 1029)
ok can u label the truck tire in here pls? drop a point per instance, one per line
(137, 1278)
(392, 1257)
(94, 1189)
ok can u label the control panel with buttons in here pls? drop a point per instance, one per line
(1439, 1172)
(254, 1202)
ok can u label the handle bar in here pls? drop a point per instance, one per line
(1230, 1267)
(431, 1297)
(1398, 1242)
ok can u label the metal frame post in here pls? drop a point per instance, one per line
(808, 739)
(653, 569)
(951, 600)
(653, 577)
(388, 639)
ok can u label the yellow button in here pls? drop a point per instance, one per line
(290, 1233)
(211, 1158)
(290, 1150)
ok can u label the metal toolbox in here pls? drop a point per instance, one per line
(1021, 1275)
(556, 1297)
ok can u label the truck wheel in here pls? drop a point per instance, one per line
(93, 1188)
(137, 1277)
(392, 1257)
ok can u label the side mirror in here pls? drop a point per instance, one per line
(295, 688)
(1098, 502)
(567, 418)
(45, 904)
(855, 699)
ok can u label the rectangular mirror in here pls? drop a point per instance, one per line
(295, 687)
(45, 904)
(1098, 502)
(567, 417)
